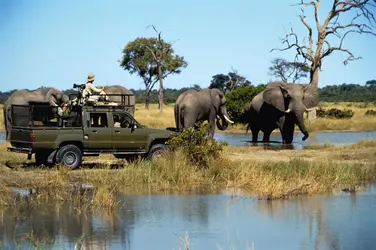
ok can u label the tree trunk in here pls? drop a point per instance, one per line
(314, 81)
(160, 91)
(147, 99)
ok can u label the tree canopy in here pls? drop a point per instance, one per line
(228, 82)
(287, 71)
(149, 57)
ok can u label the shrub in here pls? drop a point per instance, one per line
(198, 148)
(335, 113)
(239, 99)
(370, 112)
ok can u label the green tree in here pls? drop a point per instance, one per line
(153, 60)
(371, 84)
(228, 82)
(239, 99)
(287, 71)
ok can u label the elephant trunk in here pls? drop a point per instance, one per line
(222, 126)
(299, 115)
(223, 115)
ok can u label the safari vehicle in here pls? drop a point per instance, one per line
(84, 130)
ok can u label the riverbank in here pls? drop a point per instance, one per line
(359, 122)
(266, 173)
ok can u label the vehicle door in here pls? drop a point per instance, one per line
(127, 135)
(97, 132)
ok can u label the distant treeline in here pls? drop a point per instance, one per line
(332, 93)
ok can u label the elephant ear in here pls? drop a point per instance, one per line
(311, 97)
(216, 96)
(274, 94)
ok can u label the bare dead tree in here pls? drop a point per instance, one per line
(315, 50)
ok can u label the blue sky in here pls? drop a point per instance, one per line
(57, 43)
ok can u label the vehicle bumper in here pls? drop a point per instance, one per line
(20, 150)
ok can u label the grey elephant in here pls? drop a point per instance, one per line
(281, 105)
(22, 97)
(118, 89)
(201, 105)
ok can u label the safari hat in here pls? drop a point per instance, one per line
(90, 77)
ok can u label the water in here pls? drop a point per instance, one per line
(335, 138)
(211, 221)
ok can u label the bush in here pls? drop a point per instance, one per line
(198, 148)
(370, 112)
(238, 101)
(335, 113)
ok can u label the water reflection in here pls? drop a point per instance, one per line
(156, 221)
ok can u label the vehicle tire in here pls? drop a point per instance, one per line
(69, 156)
(157, 150)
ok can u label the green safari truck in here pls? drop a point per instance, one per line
(83, 131)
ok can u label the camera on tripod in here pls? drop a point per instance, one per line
(80, 86)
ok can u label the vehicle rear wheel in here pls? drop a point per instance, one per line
(69, 156)
(157, 150)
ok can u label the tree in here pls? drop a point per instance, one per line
(228, 82)
(362, 22)
(371, 84)
(288, 71)
(153, 60)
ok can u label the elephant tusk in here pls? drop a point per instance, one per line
(288, 111)
(218, 117)
(309, 110)
(227, 119)
(54, 103)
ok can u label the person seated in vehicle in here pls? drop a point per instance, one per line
(122, 121)
(91, 93)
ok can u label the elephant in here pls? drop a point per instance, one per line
(118, 89)
(281, 105)
(22, 97)
(195, 105)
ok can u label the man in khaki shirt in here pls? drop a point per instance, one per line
(92, 93)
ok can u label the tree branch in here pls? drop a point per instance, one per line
(301, 49)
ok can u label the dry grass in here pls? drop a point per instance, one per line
(267, 173)
(359, 122)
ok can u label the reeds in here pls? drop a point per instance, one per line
(266, 173)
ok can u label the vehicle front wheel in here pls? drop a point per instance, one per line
(157, 150)
(69, 156)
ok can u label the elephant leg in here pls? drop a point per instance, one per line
(266, 137)
(211, 122)
(255, 133)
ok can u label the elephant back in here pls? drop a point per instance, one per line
(118, 89)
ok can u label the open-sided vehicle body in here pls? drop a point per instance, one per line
(103, 128)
